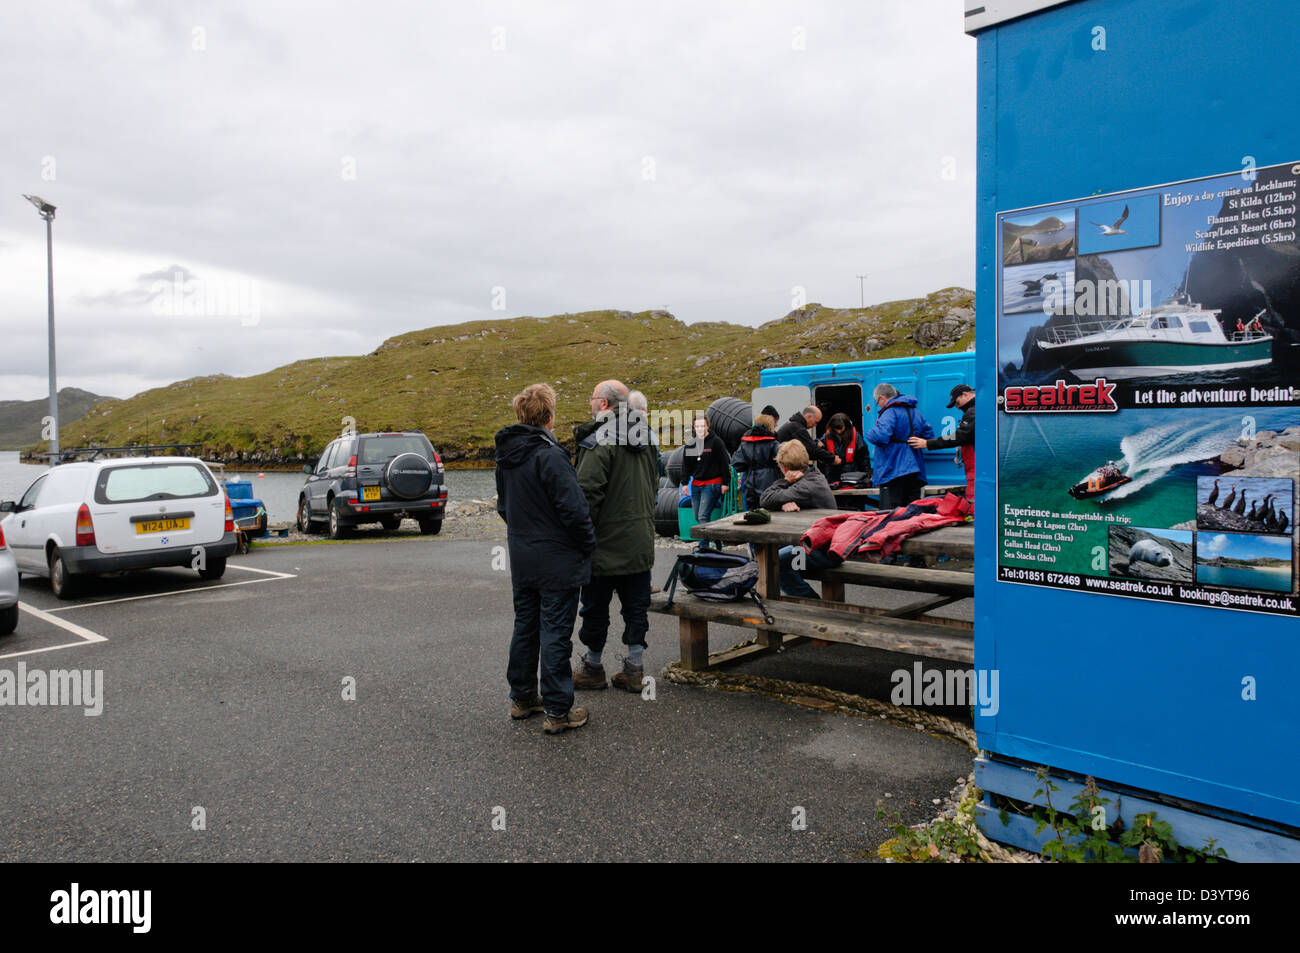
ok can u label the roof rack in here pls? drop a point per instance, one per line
(68, 456)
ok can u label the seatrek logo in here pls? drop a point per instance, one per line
(1097, 397)
(58, 687)
(77, 906)
(920, 686)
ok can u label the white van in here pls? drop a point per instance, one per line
(117, 514)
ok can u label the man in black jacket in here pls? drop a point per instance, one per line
(551, 541)
(963, 396)
(796, 428)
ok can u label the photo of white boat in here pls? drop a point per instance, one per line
(1177, 336)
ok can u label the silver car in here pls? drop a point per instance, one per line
(8, 588)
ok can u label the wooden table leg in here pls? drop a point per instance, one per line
(768, 557)
(694, 638)
(769, 570)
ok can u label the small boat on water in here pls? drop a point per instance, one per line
(1101, 480)
(1176, 337)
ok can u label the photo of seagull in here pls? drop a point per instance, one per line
(1115, 229)
(1135, 223)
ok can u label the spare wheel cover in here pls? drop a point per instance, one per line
(408, 475)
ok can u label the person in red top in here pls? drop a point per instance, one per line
(843, 441)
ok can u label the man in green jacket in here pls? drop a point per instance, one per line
(618, 471)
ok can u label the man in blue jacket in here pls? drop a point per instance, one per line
(899, 469)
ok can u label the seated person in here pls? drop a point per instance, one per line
(802, 487)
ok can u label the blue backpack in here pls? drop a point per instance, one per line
(716, 577)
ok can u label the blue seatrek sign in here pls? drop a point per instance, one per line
(1148, 424)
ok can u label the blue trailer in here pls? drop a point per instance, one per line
(1136, 144)
(847, 388)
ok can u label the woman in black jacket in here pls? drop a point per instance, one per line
(843, 440)
(707, 465)
(755, 459)
(551, 540)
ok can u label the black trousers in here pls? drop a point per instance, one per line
(633, 595)
(543, 637)
(900, 491)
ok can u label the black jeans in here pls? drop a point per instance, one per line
(634, 596)
(901, 491)
(543, 632)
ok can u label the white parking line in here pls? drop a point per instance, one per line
(81, 632)
(183, 592)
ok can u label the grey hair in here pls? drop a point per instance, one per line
(612, 391)
(637, 400)
(885, 390)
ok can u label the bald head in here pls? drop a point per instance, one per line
(608, 395)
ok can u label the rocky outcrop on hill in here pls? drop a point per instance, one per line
(1125, 561)
(949, 329)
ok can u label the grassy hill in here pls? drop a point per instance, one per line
(20, 420)
(455, 382)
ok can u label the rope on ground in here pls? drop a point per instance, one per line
(800, 693)
(990, 851)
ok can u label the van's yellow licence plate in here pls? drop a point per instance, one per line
(369, 493)
(162, 526)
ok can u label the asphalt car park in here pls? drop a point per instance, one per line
(348, 702)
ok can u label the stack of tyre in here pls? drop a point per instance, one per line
(729, 418)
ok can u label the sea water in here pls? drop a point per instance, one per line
(1274, 579)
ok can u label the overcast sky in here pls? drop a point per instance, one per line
(343, 172)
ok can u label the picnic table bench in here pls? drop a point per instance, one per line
(904, 628)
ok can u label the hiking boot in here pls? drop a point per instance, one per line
(525, 707)
(629, 679)
(588, 676)
(573, 718)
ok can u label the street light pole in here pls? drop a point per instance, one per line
(862, 295)
(47, 213)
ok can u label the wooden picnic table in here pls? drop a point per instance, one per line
(898, 629)
(957, 542)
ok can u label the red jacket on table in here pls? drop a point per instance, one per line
(880, 533)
